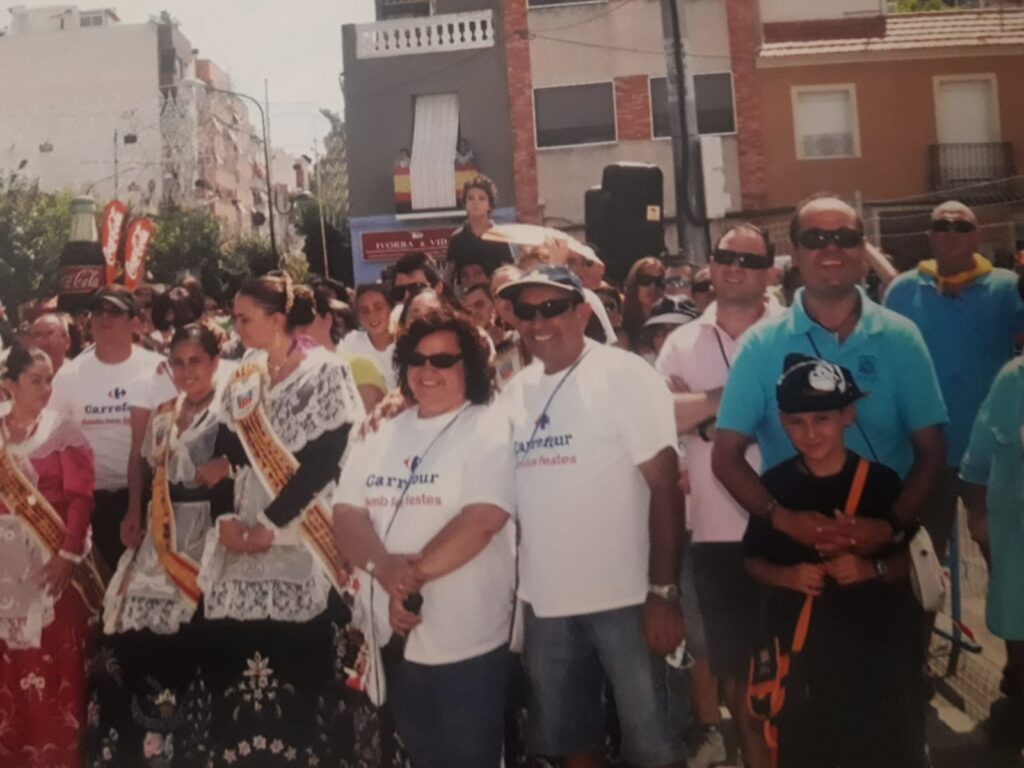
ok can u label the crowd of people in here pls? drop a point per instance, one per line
(497, 511)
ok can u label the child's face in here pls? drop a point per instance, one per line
(818, 434)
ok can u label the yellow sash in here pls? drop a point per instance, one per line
(953, 283)
(22, 499)
(182, 570)
(275, 465)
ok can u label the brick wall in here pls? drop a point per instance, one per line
(633, 108)
(520, 92)
(744, 40)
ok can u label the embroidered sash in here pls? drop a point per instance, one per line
(274, 466)
(23, 500)
(182, 570)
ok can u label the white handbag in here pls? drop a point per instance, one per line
(926, 573)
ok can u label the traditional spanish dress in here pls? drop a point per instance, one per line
(281, 647)
(149, 702)
(46, 486)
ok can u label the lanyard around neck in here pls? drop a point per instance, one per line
(542, 420)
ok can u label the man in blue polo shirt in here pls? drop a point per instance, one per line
(899, 424)
(969, 315)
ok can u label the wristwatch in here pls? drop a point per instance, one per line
(664, 591)
(881, 568)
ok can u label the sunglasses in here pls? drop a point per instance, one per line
(701, 286)
(816, 239)
(399, 292)
(677, 282)
(546, 309)
(960, 226)
(726, 258)
(645, 281)
(441, 361)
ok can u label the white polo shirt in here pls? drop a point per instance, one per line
(582, 502)
(700, 353)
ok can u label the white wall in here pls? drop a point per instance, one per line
(73, 89)
(805, 10)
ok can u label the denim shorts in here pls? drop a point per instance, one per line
(451, 715)
(569, 658)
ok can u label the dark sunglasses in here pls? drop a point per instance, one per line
(816, 239)
(960, 226)
(399, 292)
(726, 258)
(701, 286)
(648, 280)
(441, 361)
(546, 309)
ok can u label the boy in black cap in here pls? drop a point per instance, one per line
(852, 696)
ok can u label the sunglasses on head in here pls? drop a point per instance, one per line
(546, 309)
(645, 281)
(816, 239)
(440, 361)
(961, 226)
(399, 292)
(726, 258)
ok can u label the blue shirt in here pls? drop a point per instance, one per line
(888, 359)
(970, 337)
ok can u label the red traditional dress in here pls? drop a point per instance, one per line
(42, 641)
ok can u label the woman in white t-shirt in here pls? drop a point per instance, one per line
(423, 506)
(375, 340)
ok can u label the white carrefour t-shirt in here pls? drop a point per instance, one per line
(98, 397)
(582, 502)
(467, 612)
(358, 344)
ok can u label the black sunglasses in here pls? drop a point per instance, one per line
(546, 309)
(726, 258)
(441, 361)
(399, 292)
(962, 226)
(648, 280)
(816, 239)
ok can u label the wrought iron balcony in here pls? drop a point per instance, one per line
(430, 34)
(957, 165)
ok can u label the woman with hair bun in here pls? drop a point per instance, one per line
(49, 587)
(277, 597)
(147, 694)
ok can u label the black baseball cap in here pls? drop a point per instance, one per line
(546, 275)
(672, 310)
(810, 384)
(116, 296)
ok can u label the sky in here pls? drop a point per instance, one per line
(295, 44)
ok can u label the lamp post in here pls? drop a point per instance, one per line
(266, 156)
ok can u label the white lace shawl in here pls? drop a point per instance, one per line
(284, 583)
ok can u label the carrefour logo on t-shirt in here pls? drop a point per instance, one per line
(524, 448)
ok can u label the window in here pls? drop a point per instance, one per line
(713, 96)
(435, 135)
(542, 3)
(575, 114)
(91, 19)
(825, 121)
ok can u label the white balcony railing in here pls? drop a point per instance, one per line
(428, 34)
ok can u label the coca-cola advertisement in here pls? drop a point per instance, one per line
(137, 239)
(82, 264)
(81, 279)
(110, 236)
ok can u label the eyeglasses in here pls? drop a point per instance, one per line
(676, 282)
(399, 292)
(726, 258)
(961, 226)
(546, 309)
(645, 281)
(816, 239)
(441, 361)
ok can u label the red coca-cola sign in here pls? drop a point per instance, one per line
(110, 237)
(137, 240)
(81, 279)
(393, 245)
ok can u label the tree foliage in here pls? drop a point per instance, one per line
(916, 6)
(34, 226)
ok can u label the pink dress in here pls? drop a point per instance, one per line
(43, 647)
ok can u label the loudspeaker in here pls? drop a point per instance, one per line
(635, 215)
(597, 212)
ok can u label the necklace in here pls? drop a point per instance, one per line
(842, 323)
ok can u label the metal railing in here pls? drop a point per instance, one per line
(953, 165)
(430, 34)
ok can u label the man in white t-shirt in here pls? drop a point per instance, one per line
(695, 360)
(600, 515)
(104, 389)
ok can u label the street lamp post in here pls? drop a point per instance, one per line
(266, 158)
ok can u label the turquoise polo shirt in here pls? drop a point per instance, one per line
(888, 359)
(970, 337)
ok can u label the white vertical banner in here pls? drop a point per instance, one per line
(432, 170)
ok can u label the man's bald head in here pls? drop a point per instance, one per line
(953, 210)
